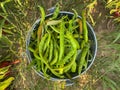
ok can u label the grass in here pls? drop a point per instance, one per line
(104, 73)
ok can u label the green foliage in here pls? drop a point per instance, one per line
(117, 38)
(2, 4)
(1, 25)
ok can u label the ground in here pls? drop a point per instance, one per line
(104, 73)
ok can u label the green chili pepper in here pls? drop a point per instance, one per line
(42, 14)
(55, 53)
(41, 44)
(66, 58)
(75, 14)
(82, 58)
(2, 76)
(85, 64)
(34, 34)
(31, 49)
(51, 51)
(4, 69)
(75, 27)
(38, 64)
(53, 22)
(76, 35)
(46, 52)
(80, 26)
(6, 83)
(44, 70)
(39, 32)
(46, 44)
(70, 25)
(55, 58)
(69, 65)
(32, 46)
(62, 30)
(73, 41)
(56, 12)
(82, 44)
(60, 70)
(42, 66)
(55, 29)
(45, 73)
(41, 47)
(73, 67)
(84, 25)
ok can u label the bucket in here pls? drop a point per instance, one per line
(93, 48)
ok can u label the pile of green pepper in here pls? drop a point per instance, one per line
(4, 83)
(60, 46)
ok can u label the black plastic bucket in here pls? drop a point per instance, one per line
(91, 35)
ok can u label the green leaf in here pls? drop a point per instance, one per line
(1, 25)
(117, 38)
(110, 81)
(3, 5)
(104, 84)
(6, 18)
(19, 2)
(8, 31)
(5, 56)
(8, 26)
(6, 40)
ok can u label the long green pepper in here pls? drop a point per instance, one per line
(40, 28)
(69, 65)
(51, 51)
(41, 44)
(62, 30)
(82, 58)
(55, 53)
(84, 25)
